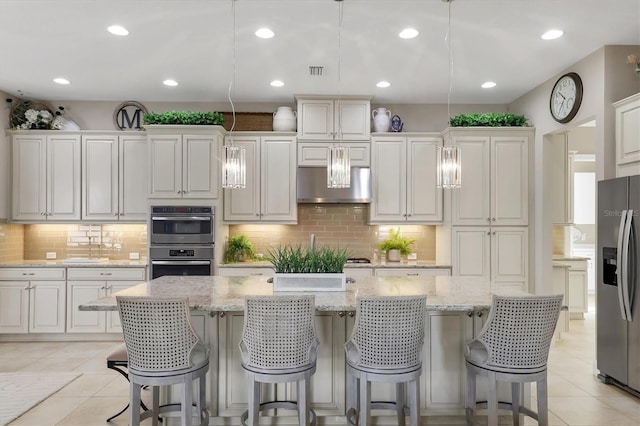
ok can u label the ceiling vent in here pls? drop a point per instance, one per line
(315, 70)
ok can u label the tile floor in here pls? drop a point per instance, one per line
(576, 397)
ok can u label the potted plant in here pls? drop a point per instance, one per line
(395, 246)
(186, 118)
(239, 249)
(489, 119)
(319, 269)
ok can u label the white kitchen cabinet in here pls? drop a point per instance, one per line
(32, 300)
(498, 254)
(495, 176)
(577, 299)
(403, 170)
(245, 271)
(114, 178)
(627, 112)
(270, 194)
(562, 180)
(46, 177)
(87, 284)
(184, 161)
(328, 118)
(316, 154)
(412, 272)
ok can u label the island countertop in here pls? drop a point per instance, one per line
(226, 294)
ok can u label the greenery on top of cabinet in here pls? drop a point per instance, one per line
(489, 119)
(294, 260)
(184, 118)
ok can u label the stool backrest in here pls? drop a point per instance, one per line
(279, 332)
(157, 332)
(519, 330)
(388, 332)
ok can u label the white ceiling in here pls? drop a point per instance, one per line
(192, 41)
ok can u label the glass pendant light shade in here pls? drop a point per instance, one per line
(448, 166)
(338, 167)
(234, 167)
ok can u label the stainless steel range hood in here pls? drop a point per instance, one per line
(312, 186)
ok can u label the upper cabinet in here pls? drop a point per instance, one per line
(562, 180)
(270, 194)
(326, 118)
(628, 136)
(184, 161)
(114, 177)
(495, 176)
(46, 176)
(404, 179)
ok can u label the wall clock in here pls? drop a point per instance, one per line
(566, 97)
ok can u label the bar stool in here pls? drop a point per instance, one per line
(163, 349)
(385, 346)
(117, 360)
(513, 346)
(279, 345)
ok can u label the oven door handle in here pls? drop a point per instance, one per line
(180, 262)
(201, 218)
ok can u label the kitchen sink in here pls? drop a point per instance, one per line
(83, 260)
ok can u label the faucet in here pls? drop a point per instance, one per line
(312, 243)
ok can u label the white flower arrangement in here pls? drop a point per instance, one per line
(37, 119)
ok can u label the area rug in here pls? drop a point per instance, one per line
(19, 392)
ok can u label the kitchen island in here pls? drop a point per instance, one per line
(455, 310)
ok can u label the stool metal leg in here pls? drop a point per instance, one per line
(414, 397)
(470, 397)
(492, 399)
(541, 393)
(365, 397)
(400, 403)
(515, 403)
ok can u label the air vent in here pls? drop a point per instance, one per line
(315, 70)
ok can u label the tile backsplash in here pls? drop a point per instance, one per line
(337, 225)
(11, 242)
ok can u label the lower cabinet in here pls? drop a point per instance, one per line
(32, 300)
(87, 284)
(577, 299)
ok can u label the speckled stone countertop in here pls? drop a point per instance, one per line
(560, 258)
(59, 263)
(217, 293)
(424, 264)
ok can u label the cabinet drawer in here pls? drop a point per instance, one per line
(32, 274)
(412, 272)
(574, 265)
(106, 274)
(315, 153)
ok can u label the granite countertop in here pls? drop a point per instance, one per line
(560, 258)
(425, 264)
(219, 294)
(59, 263)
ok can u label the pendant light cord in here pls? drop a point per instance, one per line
(233, 80)
(340, 15)
(448, 40)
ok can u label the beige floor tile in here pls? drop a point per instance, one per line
(8, 365)
(49, 412)
(559, 386)
(85, 385)
(95, 411)
(628, 406)
(588, 411)
(595, 387)
(117, 386)
(55, 364)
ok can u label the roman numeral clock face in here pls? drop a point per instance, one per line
(566, 97)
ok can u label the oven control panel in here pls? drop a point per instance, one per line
(182, 253)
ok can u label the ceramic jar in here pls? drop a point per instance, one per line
(284, 120)
(381, 119)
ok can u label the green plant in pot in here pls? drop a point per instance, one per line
(239, 249)
(189, 118)
(296, 260)
(396, 245)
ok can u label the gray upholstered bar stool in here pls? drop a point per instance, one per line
(279, 345)
(513, 346)
(385, 346)
(163, 349)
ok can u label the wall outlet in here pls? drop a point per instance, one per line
(412, 256)
(51, 255)
(134, 256)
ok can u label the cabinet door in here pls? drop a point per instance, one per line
(315, 119)
(47, 303)
(509, 180)
(79, 292)
(200, 154)
(278, 179)
(133, 178)
(243, 205)
(29, 200)
(424, 199)
(471, 252)
(509, 256)
(471, 202)
(63, 177)
(388, 171)
(14, 306)
(99, 177)
(352, 119)
(165, 162)
(627, 113)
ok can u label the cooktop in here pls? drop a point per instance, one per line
(358, 260)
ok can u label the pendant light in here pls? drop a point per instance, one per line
(338, 158)
(449, 158)
(234, 164)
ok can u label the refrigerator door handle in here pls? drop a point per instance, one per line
(620, 262)
(625, 266)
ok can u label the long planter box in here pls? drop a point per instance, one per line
(309, 282)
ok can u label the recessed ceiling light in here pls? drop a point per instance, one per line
(264, 33)
(552, 34)
(383, 84)
(170, 82)
(61, 80)
(118, 30)
(408, 33)
(277, 83)
(488, 85)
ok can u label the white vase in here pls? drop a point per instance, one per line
(381, 119)
(284, 120)
(394, 255)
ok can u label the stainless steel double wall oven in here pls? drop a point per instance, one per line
(181, 240)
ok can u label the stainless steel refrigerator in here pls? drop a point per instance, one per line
(618, 286)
